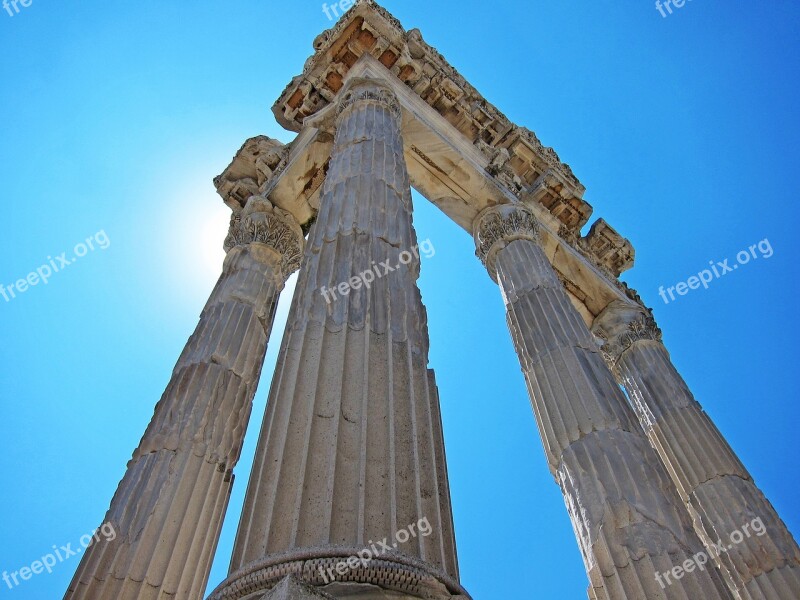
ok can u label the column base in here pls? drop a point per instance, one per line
(292, 588)
(392, 576)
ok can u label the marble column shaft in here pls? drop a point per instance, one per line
(168, 509)
(351, 450)
(629, 520)
(723, 499)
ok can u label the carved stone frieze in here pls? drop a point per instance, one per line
(499, 167)
(569, 235)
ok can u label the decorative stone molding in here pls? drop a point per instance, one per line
(533, 156)
(368, 90)
(264, 223)
(292, 587)
(499, 167)
(367, 28)
(498, 226)
(270, 162)
(546, 183)
(393, 573)
(612, 250)
(610, 253)
(620, 326)
(253, 171)
(554, 193)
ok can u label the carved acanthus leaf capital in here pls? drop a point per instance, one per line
(368, 90)
(263, 223)
(498, 226)
(620, 326)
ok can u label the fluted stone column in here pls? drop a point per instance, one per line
(351, 450)
(720, 493)
(168, 509)
(629, 520)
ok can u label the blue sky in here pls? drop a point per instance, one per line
(115, 117)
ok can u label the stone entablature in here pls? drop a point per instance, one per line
(509, 158)
(369, 29)
(258, 161)
(612, 250)
(604, 247)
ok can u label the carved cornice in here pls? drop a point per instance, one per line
(261, 222)
(620, 326)
(499, 167)
(325, 40)
(366, 90)
(550, 156)
(610, 249)
(253, 170)
(516, 156)
(606, 250)
(498, 226)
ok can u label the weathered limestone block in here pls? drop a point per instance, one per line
(169, 507)
(720, 493)
(351, 449)
(629, 520)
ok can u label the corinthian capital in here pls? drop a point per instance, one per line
(498, 226)
(261, 222)
(620, 326)
(361, 90)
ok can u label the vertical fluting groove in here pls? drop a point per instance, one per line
(168, 509)
(391, 440)
(342, 496)
(207, 547)
(710, 478)
(447, 548)
(417, 490)
(290, 498)
(626, 514)
(302, 472)
(362, 470)
(346, 454)
(262, 455)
